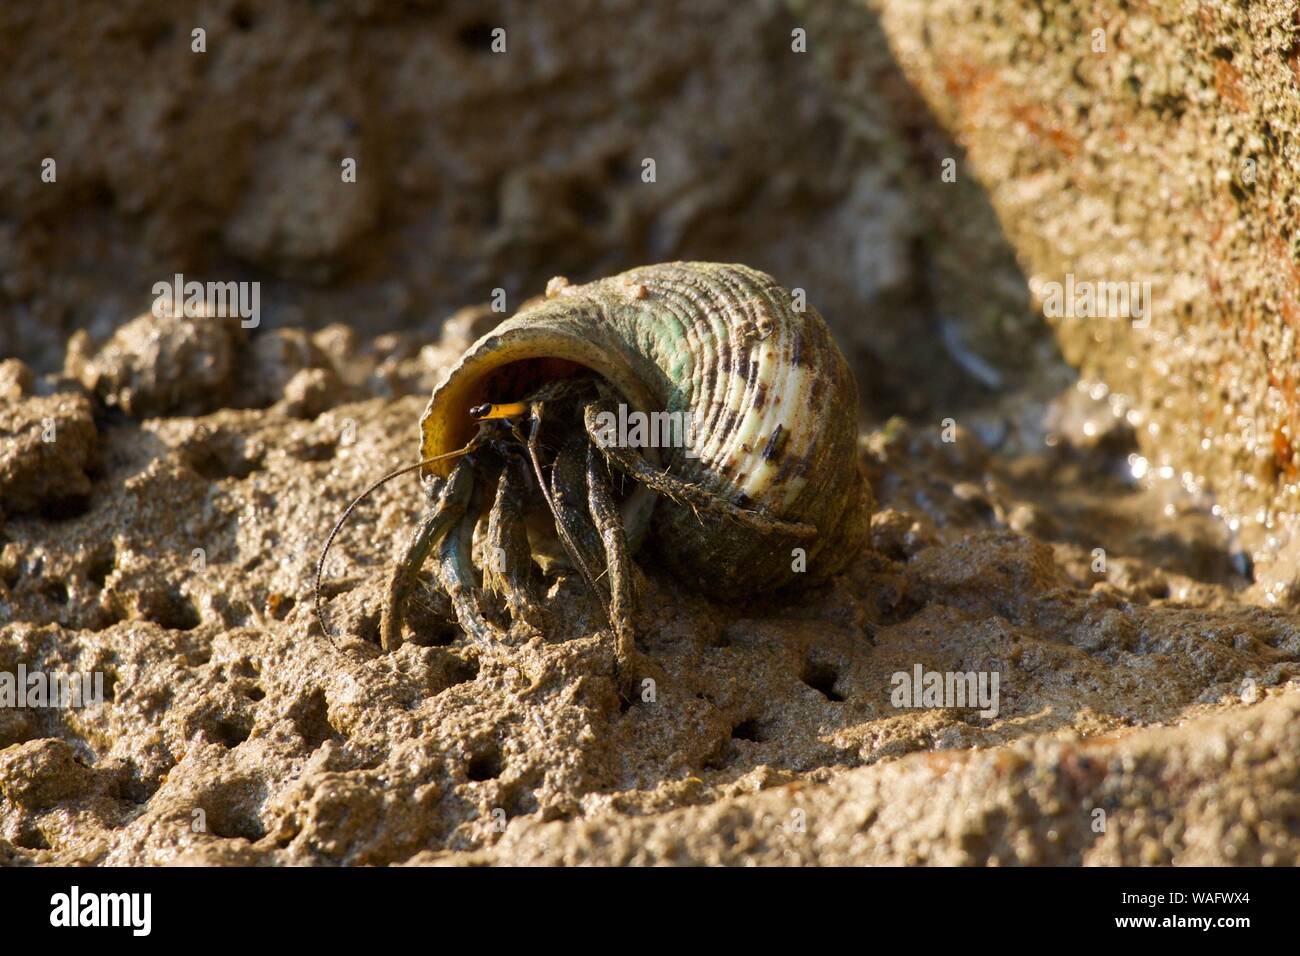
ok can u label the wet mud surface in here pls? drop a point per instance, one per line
(1157, 691)
(1156, 143)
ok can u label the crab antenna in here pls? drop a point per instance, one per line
(338, 525)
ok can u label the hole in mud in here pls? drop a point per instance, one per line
(368, 629)
(110, 683)
(463, 672)
(620, 168)
(171, 610)
(588, 204)
(429, 621)
(108, 615)
(485, 765)
(316, 451)
(220, 455)
(100, 566)
(56, 591)
(213, 467)
(822, 678)
(476, 36)
(1158, 590)
(904, 610)
(232, 731)
(230, 808)
(231, 823)
(748, 730)
(978, 509)
(310, 716)
(442, 635)
(130, 788)
(102, 194)
(32, 839)
(457, 671)
(255, 693)
(65, 508)
(489, 207)
(519, 802)
(155, 35)
(245, 668)
(279, 605)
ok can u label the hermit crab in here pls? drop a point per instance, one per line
(698, 407)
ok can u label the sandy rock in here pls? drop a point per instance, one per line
(41, 773)
(290, 369)
(1147, 146)
(1136, 799)
(16, 380)
(161, 364)
(47, 446)
(159, 164)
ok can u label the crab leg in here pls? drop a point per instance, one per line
(618, 561)
(569, 489)
(437, 521)
(456, 573)
(569, 520)
(507, 570)
(633, 464)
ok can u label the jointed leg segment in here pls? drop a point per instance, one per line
(567, 526)
(456, 572)
(450, 507)
(508, 564)
(618, 560)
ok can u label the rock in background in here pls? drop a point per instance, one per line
(1150, 142)
(478, 171)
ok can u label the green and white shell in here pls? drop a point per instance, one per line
(772, 398)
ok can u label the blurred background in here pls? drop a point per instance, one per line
(783, 136)
(910, 166)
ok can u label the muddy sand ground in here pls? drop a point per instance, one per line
(1147, 712)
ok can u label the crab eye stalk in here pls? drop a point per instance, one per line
(487, 411)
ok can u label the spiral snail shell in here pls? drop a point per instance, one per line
(771, 398)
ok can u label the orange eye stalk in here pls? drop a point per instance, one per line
(489, 411)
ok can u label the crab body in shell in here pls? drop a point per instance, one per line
(770, 463)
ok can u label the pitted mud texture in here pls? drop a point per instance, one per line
(234, 732)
